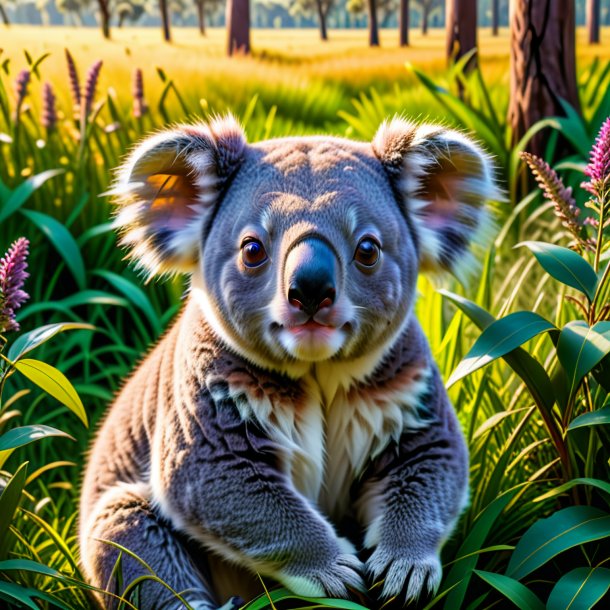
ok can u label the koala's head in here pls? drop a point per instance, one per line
(304, 249)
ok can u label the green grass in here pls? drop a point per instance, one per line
(78, 274)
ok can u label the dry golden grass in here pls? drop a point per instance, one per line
(289, 68)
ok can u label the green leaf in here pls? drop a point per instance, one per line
(18, 437)
(593, 418)
(580, 348)
(527, 367)
(27, 565)
(278, 595)
(55, 383)
(63, 241)
(461, 572)
(9, 500)
(134, 294)
(500, 338)
(22, 193)
(512, 589)
(579, 589)
(561, 531)
(557, 491)
(29, 341)
(25, 595)
(565, 266)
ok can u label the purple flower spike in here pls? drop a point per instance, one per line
(12, 276)
(599, 165)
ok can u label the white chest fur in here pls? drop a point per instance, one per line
(327, 440)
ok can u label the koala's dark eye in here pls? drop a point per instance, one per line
(367, 252)
(253, 252)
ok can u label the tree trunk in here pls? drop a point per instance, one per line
(121, 19)
(4, 16)
(373, 25)
(495, 17)
(425, 14)
(461, 29)
(238, 26)
(165, 22)
(105, 18)
(201, 16)
(403, 23)
(542, 65)
(593, 19)
(322, 20)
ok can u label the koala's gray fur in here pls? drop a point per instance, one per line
(246, 442)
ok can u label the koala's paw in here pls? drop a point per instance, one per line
(332, 581)
(410, 576)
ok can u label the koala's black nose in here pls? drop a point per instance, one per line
(311, 284)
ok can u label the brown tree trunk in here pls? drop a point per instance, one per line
(373, 25)
(167, 35)
(322, 20)
(238, 27)
(201, 16)
(105, 18)
(461, 29)
(495, 17)
(425, 14)
(542, 65)
(403, 23)
(4, 16)
(593, 19)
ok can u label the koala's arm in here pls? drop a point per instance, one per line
(411, 497)
(226, 488)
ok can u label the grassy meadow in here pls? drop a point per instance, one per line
(536, 418)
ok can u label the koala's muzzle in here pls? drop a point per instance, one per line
(310, 273)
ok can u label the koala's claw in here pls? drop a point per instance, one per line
(409, 575)
(333, 581)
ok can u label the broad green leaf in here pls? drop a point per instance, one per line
(63, 241)
(134, 294)
(565, 266)
(593, 418)
(512, 589)
(55, 383)
(580, 348)
(500, 338)
(527, 367)
(28, 341)
(18, 437)
(579, 589)
(21, 194)
(461, 572)
(557, 491)
(561, 531)
(27, 565)
(13, 592)
(278, 595)
(9, 500)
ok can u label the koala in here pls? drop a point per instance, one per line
(292, 423)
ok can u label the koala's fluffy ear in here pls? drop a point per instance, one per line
(443, 180)
(167, 188)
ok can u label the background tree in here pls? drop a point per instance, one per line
(308, 7)
(165, 21)
(542, 65)
(4, 14)
(427, 7)
(72, 9)
(104, 12)
(403, 23)
(495, 17)
(461, 26)
(373, 25)
(131, 11)
(238, 27)
(593, 20)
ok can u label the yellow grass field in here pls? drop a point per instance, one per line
(281, 58)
